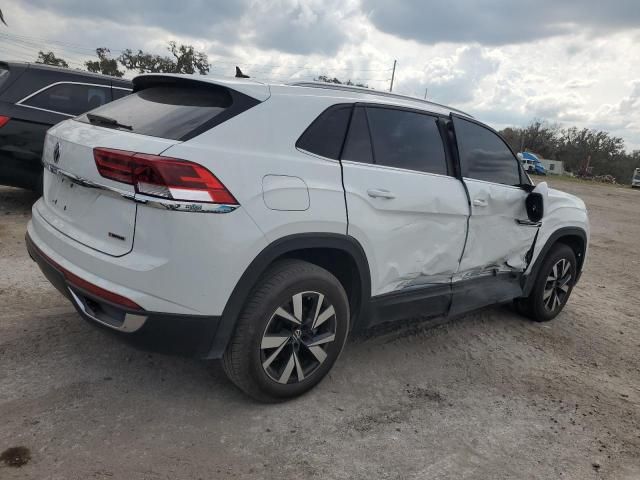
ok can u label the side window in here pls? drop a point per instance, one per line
(119, 92)
(407, 140)
(484, 156)
(358, 145)
(71, 98)
(325, 135)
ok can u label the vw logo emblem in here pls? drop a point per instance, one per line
(56, 153)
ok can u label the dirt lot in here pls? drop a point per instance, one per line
(487, 396)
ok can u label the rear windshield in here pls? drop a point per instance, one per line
(171, 112)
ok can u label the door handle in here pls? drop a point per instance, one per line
(380, 193)
(479, 202)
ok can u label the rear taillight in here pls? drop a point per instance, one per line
(163, 177)
(4, 120)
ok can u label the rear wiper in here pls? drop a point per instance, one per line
(106, 121)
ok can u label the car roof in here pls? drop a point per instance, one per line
(67, 71)
(262, 90)
(364, 94)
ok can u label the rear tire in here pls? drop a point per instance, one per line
(290, 332)
(552, 287)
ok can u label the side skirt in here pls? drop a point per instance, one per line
(430, 301)
(443, 300)
(483, 291)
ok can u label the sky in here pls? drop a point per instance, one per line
(567, 62)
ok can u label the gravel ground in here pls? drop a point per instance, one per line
(489, 395)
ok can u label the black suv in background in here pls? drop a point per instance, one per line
(35, 97)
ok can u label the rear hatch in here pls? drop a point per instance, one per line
(163, 111)
(98, 218)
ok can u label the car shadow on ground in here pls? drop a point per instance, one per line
(16, 201)
(177, 344)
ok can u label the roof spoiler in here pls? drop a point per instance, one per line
(256, 90)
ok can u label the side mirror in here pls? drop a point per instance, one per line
(535, 206)
(536, 202)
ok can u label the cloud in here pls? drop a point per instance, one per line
(455, 79)
(294, 26)
(192, 18)
(495, 22)
(579, 83)
(312, 26)
(566, 61)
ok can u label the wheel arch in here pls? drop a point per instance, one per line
(574, 237)
(342, 255)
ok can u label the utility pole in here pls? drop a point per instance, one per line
(425, 93)
(393, 75)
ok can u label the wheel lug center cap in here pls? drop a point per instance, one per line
(297, 334)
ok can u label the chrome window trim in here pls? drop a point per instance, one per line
(399, 169)
(46, 110)
(32, 94)
(155, 202)
(60, 83)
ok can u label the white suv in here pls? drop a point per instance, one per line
(282, 217)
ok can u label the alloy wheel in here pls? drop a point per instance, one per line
(556, 288)
(295, 341)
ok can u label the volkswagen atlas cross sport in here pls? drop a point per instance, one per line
(285, 217)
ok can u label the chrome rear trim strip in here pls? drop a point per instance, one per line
(155, 202)
(131, 323)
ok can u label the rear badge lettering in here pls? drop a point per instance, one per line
(115, 235)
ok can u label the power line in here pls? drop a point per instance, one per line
(37, 43)
(26, 48)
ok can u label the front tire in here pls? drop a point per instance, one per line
(552, 287)
(290, 332)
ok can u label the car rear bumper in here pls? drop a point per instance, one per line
(199, 330)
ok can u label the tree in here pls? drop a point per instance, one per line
(324, 78)
(104, 64)
(49, 58)
(538, 137)
(574, 146)
(185, 60)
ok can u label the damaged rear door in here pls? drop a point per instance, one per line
(405, 207)
(499, 235)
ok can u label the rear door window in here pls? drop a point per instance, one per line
(70, 98)
(171, 112)
(408, 140)
(358, 145)
(325, 136)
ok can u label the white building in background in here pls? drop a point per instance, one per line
(553, 167)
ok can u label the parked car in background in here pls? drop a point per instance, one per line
(283, 217)
(34, 97)
(635, 181)
(532, 163)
